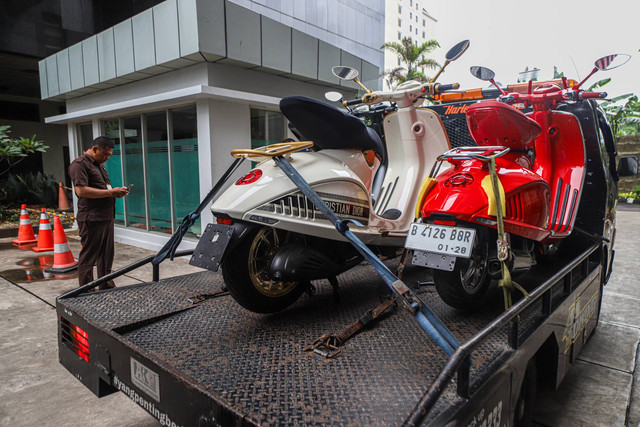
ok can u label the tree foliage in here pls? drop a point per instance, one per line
(413, 56)
(15, 150)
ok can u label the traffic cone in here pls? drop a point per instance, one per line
(25, 231)
(63, 260)
(63, 202)
(45, 235)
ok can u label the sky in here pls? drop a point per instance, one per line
(509, 35)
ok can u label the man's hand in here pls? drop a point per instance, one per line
(119, 192)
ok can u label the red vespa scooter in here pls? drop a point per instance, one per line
(540, 164)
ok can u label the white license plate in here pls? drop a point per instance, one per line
(441, 239)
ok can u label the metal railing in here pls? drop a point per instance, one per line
(122, 271)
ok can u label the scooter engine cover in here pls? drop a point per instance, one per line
(493, 123)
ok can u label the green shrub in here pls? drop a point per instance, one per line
(30, 188)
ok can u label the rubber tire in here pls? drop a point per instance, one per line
(235, 271)
(449, 283)
(526, 397)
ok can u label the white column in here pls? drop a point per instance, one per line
(222, 126)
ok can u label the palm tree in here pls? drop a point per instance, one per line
(414, 56)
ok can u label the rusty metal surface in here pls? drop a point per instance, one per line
(257, 363)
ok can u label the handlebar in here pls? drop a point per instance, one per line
(547, 97)
(597, 95)
(405, 96)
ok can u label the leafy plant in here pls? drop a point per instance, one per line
(623, 113)
(414, 56)
(13, 151)
(30, 188)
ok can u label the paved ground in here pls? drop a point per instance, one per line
(600, 390)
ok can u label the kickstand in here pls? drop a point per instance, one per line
(336, 287)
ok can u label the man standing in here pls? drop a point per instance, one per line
(96, 210)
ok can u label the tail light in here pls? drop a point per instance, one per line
(251, 176)
(75, 338)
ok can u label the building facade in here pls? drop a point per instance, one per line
(179, 85)
(407, 18)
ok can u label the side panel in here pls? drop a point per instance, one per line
(570, 325)
(114, 366)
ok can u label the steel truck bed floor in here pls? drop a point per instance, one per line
(256, 365)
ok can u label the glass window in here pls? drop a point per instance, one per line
(399, 35)
(423, 35)
(160, 158)
(399, 22)
(399, 9)
(267, 127)
(410, 15)
(111, 129)
(410, 28)
(85, 135)
(158, 182)
(184, 164)
(136, 212)
(424, 22)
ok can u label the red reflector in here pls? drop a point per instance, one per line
(444, 222)
(76, 338)
(251, 176)
(424, 89)
(225, 221)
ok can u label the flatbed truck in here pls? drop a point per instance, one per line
(189, 355)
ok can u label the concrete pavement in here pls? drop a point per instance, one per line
(600, 390)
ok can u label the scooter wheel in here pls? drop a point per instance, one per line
(245, 272)
(466, 286)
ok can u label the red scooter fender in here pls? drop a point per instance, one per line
(464, 191)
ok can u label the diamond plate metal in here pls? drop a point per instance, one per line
(256, 362)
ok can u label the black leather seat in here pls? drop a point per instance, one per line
(328, 127)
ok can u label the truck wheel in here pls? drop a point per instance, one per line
(245, 272)
(523, 412)
(465, 286)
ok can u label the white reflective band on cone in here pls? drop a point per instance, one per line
(45, 226)
(61, 247)
(24, 221)
(24, 212)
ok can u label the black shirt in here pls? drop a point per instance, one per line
(85, 171)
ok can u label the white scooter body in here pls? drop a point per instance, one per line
(344, 179)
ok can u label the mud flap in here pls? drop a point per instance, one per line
(211, 246)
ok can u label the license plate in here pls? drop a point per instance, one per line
(441, 239)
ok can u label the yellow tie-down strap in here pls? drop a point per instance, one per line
(488, 189)
(426, 186)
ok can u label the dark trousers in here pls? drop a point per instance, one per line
(97, 249)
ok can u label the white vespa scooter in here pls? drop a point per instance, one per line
(271, 241)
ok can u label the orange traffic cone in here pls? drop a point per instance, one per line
(25, 231)
(45, 235)
(63, 260)
(63, 202)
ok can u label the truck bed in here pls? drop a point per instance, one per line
(254, 365)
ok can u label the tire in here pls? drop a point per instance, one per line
(466, 286)
(245, 268)
(523, 411)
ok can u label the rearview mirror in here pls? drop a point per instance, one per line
(344, 73)
(628, 166)
(482, 73)
(455, 52)
(612, 61)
